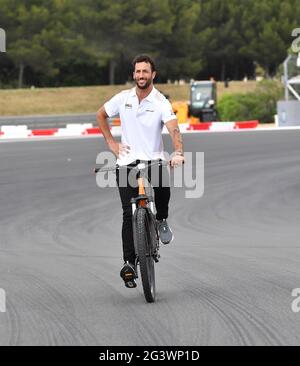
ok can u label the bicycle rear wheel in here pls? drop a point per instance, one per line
(144, 248)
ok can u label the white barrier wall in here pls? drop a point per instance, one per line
(288, 112)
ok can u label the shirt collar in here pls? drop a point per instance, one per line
(133, 92)
(149, 97)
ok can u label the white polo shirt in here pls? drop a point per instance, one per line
(141, 123)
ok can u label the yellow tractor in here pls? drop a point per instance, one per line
(202, 104)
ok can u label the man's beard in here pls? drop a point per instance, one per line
(145, 86)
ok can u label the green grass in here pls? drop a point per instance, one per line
(18, 102)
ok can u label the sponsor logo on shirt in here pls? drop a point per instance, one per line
(128, 106)
(149, 110)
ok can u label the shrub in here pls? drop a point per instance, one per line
(260, 104)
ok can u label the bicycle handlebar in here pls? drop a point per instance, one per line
(147, 166)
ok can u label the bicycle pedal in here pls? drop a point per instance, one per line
(130, 284)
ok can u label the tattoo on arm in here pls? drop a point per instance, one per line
(177, 140)
(176, 133)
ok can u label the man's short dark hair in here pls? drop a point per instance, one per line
(144, 58)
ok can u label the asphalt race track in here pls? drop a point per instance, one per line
(226, 279)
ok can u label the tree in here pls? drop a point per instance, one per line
(219, 36)
(53, 42)
(40, 35)
(120, 29)
(26, 46)
(177, 53)
(266, 31)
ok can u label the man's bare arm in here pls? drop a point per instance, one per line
(117, 148)
(104, 126)
(176, 136)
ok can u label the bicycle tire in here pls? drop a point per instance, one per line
(144, 248)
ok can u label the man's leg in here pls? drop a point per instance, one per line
(160, 179)
(161, 184)
(126, 193)
(162, 199)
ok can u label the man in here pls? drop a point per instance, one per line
(143, 110)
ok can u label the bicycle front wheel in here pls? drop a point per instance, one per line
(144, 248)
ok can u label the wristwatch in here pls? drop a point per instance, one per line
(178, 152)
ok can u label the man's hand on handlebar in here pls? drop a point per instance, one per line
(177, 160)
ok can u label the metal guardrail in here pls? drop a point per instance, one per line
(48, 121)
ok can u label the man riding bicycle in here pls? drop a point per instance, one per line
(143, 111)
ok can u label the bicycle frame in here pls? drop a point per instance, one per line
(146, 201)
(143, 197)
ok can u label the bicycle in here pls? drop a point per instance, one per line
(145, 230)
